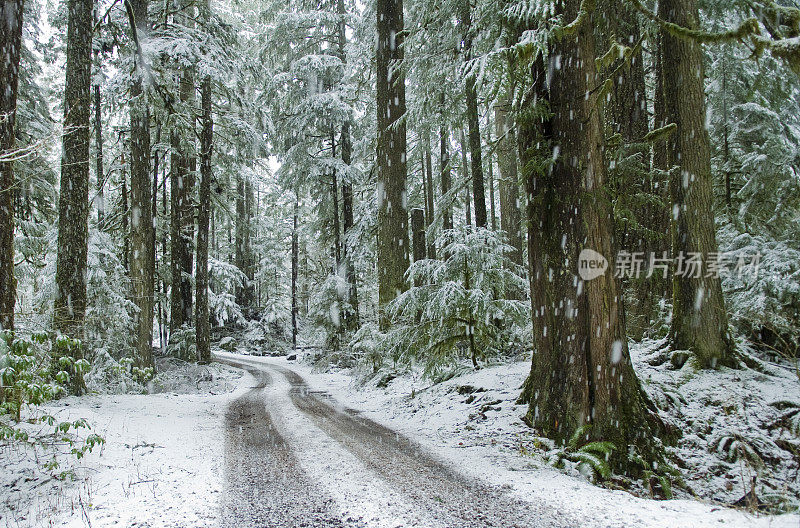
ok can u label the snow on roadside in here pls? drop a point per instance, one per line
(473, 422)
(161, 465)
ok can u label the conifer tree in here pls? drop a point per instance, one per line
(10, 51)
(69, 307)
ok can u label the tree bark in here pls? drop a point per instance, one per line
(182, 183)
(337, 237)
(11, 12)
(202, 318)
(99, 173)
(473, 125)
(418, 233)
(444, 171)
(351, 315)
(126, 234)
(429, 210)
(490, 174)
(69, 306)
(295, 264)
(699, 319)
(581, 371)
(510, 215)
(392, 244)
(243, 251)
(465, 176)
(141, 220)
(627, 114)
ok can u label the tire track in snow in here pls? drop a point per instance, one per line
(449, 498)
(310, 463)
(265, 485)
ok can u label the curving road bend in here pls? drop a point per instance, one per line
(295, 457)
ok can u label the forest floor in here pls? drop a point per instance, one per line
(290, 445)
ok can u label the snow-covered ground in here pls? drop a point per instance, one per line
(159, 467)
(481, 434)
(162, 464)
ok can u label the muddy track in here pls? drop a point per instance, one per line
(446, 496)
(265, 485)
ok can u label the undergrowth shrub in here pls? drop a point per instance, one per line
(457, 306)
(33, 371)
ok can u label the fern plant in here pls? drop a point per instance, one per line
(790, 416)
(734, 447)
(456, 305)
(591, 458)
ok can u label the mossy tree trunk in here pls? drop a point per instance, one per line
(11, 14)
(473, 124)
(510, 214)
(581, 372)
(445, 176)
(141, 219)
(699, 318)
(69, 306)
(203, 321)
(182, 186)
(352, 314)
(627, 116)
(392, 244)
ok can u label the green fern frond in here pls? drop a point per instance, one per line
(581, 433)
(598, 465)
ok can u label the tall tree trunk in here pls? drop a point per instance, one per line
(581, 371)
(473, 125)
(418, 233)
(429, 211)
(202, 319)
(98, 136)
(337, 237)
(10, 49)
(510, 215)
(141, 220)
(337, 244)
(164, 258)
(490, 174)
(465, 176)
(699, 319)
(154, 212)
(392, 246)
(181, 228)
(126, 234)
(182, 183)
(295, 263)
(69, 306)
(250, 267)
(242, 250)
(351, 315)
(445, 177)
(627, 113)
(661, 154)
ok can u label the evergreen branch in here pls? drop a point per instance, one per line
(746, 29)
(786, 49)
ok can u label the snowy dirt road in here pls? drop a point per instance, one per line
(295, 457)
